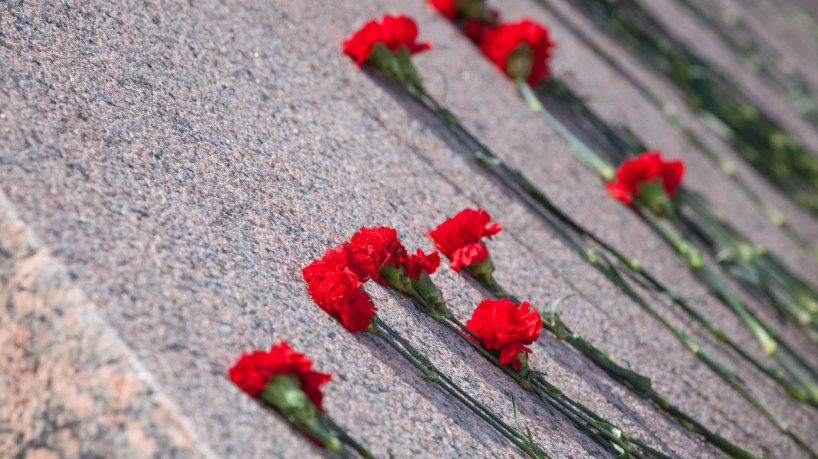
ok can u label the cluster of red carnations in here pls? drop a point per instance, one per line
(334, 281)
(500, 325)
(521, 49)
(501, 43)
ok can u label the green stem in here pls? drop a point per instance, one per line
(690, 254)
(768, 343)
(344, 437)
(578, 147)
(798, 374)
(432, 374)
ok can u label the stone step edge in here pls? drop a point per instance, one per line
(70, 385)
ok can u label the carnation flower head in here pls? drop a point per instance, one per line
(506, 327)
(459, 237)
(371, 248)
(392, 31)
(252, 371)
(334, 259)
(519, 47)
(633, 174)
(420, 263)
(335, 287)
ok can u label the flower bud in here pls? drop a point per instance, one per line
(522, 357)
(634, 265)
(285, 394)
(483, 270)
(385, 61)
(519, 62)
(396, 278)
(431, 295)
(806, 301)
(652, 193)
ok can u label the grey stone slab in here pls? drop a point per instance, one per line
(188, 290)
(185, 161)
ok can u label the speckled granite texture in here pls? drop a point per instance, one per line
(182, 161)
(71, 387)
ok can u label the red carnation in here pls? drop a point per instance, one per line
(371, 248)
(459, 238)
(336, 289)
(334, 259)
(505, 327)
(252, 371)
(634, 177)
(520, 49)
(393, 31)
(420, 263)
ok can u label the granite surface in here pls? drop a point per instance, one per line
(180, 164)
(71, 387)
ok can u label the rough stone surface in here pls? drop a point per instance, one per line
(182, 162)
(70, 385)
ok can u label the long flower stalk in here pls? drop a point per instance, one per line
(563, 225)
(433, 375)
(638, 384)
(748, 262)
(601, 430)
(793, 297)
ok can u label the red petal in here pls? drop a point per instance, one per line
(468, 255)
(672, 173)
